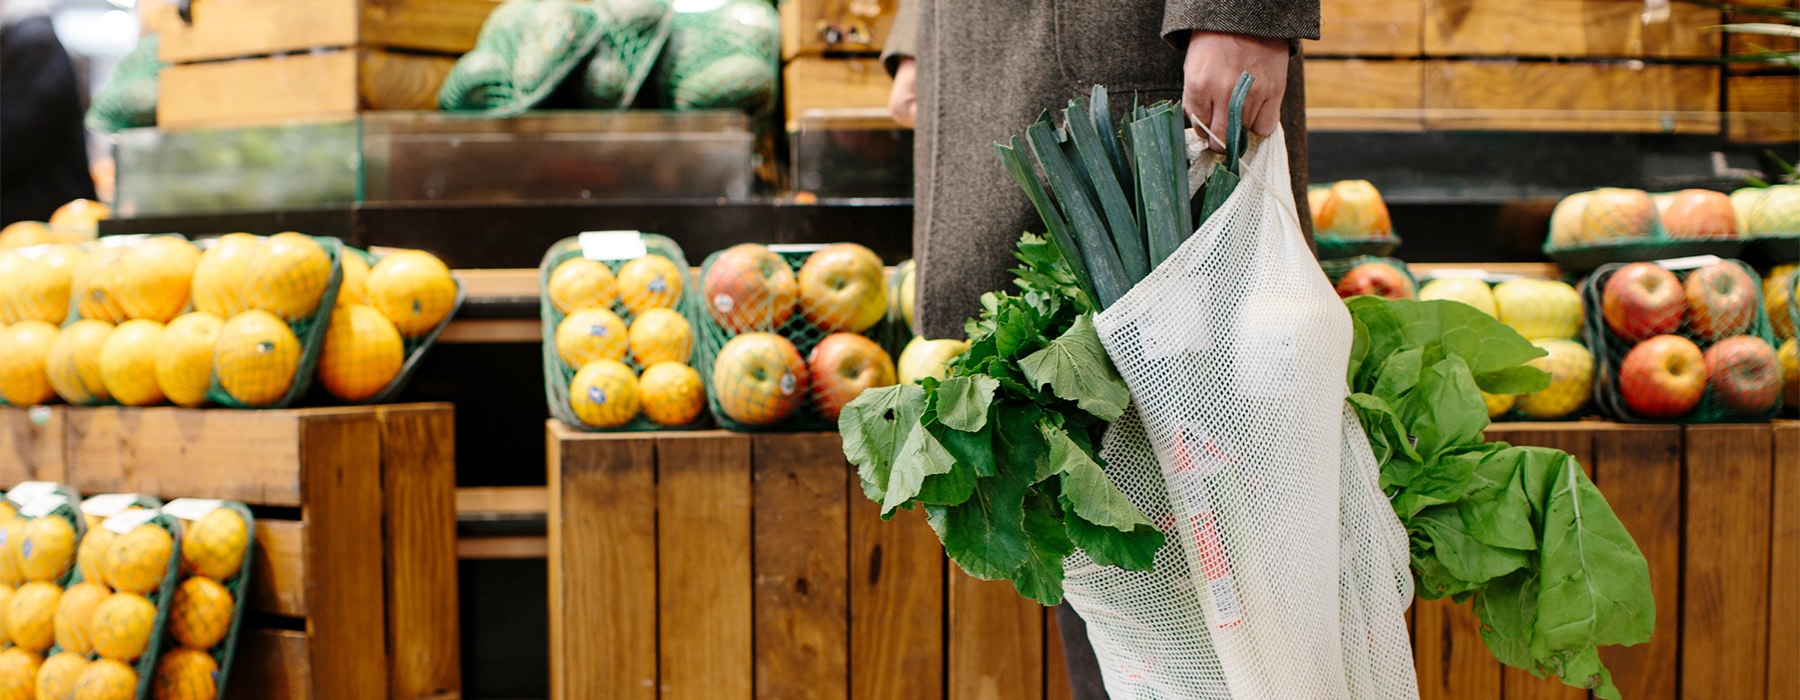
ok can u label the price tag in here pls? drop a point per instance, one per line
(125, 240)
(107, 505)
(612, 245)
(1688, 263)
(26, 491)
(39, 415)
(44, 504)
(796, 247)
(127, 521)
(192, 508)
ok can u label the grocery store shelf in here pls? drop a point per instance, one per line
(503, 547)
(493, 330)
(501, 503)
(501, 522)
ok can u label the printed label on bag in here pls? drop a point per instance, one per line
(127, 521)
(108, 504)
(796, 247)
(1216, 567)
(612, 245)
(27, 490)
(43, 504)
(1688, 263)
(192, 508)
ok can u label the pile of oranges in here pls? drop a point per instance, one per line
(625, 315)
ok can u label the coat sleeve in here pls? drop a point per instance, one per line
(903, 38)
(1275, 19)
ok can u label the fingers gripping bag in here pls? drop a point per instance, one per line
(1289, 575)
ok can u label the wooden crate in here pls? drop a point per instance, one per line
(1360, 95)
(239, 28)
(1368, 28)
(1762, 108)
(1568, 29)
(849, 86)
(314, 87)
(354, 587)
(817, 27)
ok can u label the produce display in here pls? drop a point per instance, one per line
(74, 222)
(1546, 312)
(524, 52)
(1387, 278)
(1770, 218)
(1614, 224)
(632, 36)
(208, 604)
(1350, 219)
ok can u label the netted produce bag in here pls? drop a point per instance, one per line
(261, 309)
(1685, 340)
(721, 54)
(1769, 219)
(621, 329)
(126, 575)
(390, 309)
(128, 99)
(792, 333)
(525, 51)
(1615, 224)
(1388, 278)
(1350, 220)
(207, 608)
(632, 34)
(1546, 312)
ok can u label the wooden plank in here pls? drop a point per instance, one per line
(801, 543)
(808, 26)
(314, 87)
(1757, 43)
(1607, 97)
(493, 330)
(31, 444)
(1725, 589)
(896, 603)
(1567, 29)
(503, 547)
(1638, 468)
(1547, 271)
(704, 566)
(1453, 663)
(603, 598)
(418, 474)
(996, 641)
(447, 26)
(1784, 564)
(1762, 108)
(1369, 28)
(499, 284)
(231, 28)
(1357, 95)
(834, 84)
(271, 665)
(1518, 684)
(394, 80)
(501, 502)
(250, 456)
(278, 580)
(342, 504)
(1056, 671)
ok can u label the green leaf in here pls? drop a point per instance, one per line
(1359, 348)
(1583, 669)
(1595, 586)
(1019, 443)
(1133, 549)
(1445, 410)
(1040, 578)
(1445, 481)
(1496, 509)
(920, 456)
(962, 402)
(1523, 379)
(1382, 423)
(1399, 374)
(1463, 556)
(1092, 496)
(1076, 368)
(1507, 608)
(986, 534)
(874, 426)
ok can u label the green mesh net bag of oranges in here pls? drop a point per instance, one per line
(619, 333)
(207, 608)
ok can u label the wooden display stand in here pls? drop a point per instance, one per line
(728, 567)
(353, 593)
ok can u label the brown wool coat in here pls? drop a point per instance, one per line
(987, 68)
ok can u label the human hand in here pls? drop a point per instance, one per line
(1214, 62)
(903, 100)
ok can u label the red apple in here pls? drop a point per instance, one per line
(1744, 373)
(749, 287)
(1663, 377)
(1375, 279)
(1698, 214)
(1642, 300)
(1352, 209)
(842, 366)
(843, 288)
(1721, 301)
(759, 379)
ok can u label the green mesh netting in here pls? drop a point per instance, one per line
(239, 587)
(1585, 258)
(722, 55)
(1340, 248)
(632, 36)
(1610, 350)
(1336, 269)
(162, 598)
(310, 331)
(559, 374)
(411, 348)
(128, 99)
(524, 52)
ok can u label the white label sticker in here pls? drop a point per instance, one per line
(1688, 263)
(42, 505)
(129, 520)
(192, 508)
(796, 247)
(125, 240)
(108, 504)
(25, 491)
(789, 384)
(724, 303)
(612, 245)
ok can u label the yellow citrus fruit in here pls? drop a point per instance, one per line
(94, 285)
(214, 545)
(591, 334)
(413, 289)
(1571, 369)
(184, 359)
(47, 549)
(362, 353)
(74, 622)
(672, 393)
(185, 674)
(19, 234)
(56, 678)
(37, 286)
(106, 679)
(128, 362)
(580, 283)
(155, 277)
(1778, 291)
(288, 277)
(6, 593)
(80, 216)
(23, 381)
(11, 531)
(31, 615)
(661, 335)
(92, 551)
(223, 272)
(356, 272)
(18, 674)
(650, 282)
(1790, 369)
(256, 357)
(122, 626)
(200, 614)
(7, 511)
(604, 394)
(73, 366)
(138, 559)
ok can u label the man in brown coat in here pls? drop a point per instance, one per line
(968, 73)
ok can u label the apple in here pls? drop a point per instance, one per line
(1642, 300)
(749, 287)
(1775, 212)
(1352, 209)
(1721, 301)
(1778, 293)
(1745, 373)
(759, 379)
(1613, 213)
(1468, 290)
(843, 288)
(1663, 377)
(1539, 308)
(909, 291)
(1571, 369)
(923, 358)
(842, 366)
(1743, 200)
(1790, 372)
(1565, 220)
(1375, 279)
(1698, 214)
(1498, 404)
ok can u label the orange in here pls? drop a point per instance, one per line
(19, 234)
(672, 393)
(35, 284)
(93, 549)
(650, 282)
(224, 269)
(580, 283)
(6, 593)
(81, 216)
(94, 285)
(200, 613)
(256, 358)
(74, 621)
(155, 277)
(591, 334)
(31, 615)
(23, 381)
(183, 361)
(356, 272)
(185, 674)
(11, 531)
(289, 276)
(56, 678)
(214, 545)
(46, 548)
(661, 335)
(122, 626)
(604, 394)
(128, 362)
(413, 289)
(18, 674)
(138, 560)
(362, 353)
(73, 366)
(106, 679)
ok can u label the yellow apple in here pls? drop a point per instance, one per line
(1498, 404)
(843, 288)
(1467, 290)
(928, 358)
(1571, 369)
(1539, 308)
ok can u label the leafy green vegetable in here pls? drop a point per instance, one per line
(1076, 368)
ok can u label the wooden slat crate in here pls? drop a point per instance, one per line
(1359, 95)
(1568, 29)
(238, 28)
(1369, 28)
(817, 27)
(354, 587)
(1763, 108)
(314, 87)
(839, 84)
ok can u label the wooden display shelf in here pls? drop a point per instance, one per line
(237, 28)
(855, 86)
(326, 86)
(1536, 28)
(354, 587)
